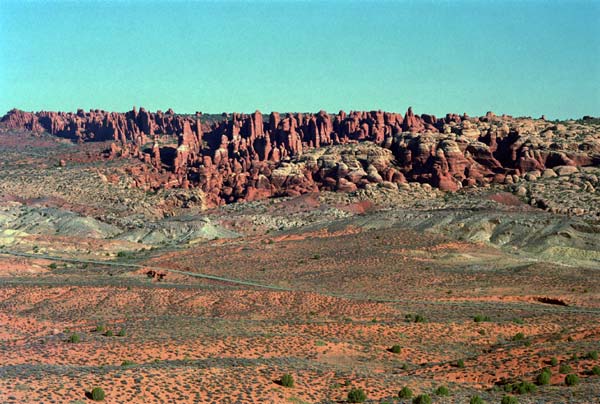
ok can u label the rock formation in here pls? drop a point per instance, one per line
(247, 157)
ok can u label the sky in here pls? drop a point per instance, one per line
(524, 58)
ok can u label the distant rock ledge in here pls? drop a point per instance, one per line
(248, 156)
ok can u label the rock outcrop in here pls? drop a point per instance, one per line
(248, 156)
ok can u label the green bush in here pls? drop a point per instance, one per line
(525, 387)
(554, 361)
(460, 364)
(74, 338)
(127, 363)
(97, 394)
(593, 355)
(571, 379)
(356, 395)
(544, 377)
(287, 380)
(109, 333)
(415, 318)
(564, 369)
(52, 266)
(481, 318)
(476, 400)
(395, 349)
(99, 328)
(422, 399)
(405, 392)
(442, 391)
(509, 400)
(518, 336)
(121, 333)
(596, 370)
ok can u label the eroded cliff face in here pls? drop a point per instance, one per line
(248, 157)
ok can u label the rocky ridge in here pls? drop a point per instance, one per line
(245, 157)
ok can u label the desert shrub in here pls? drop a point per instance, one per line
(593, 355)
(99, 328)
(517, 320)
(74, 338)
(395, 349)
(476, 400)
(442, 391)
(97, 394)
(509, 400)
(596, 370)
(422, 399)
(518, 336)
(52, 266)
(287, 380)
(564, 369)
(554, 361)
(405, 392)
(356, 395)
(121, 333)
(544, 377)
(414, 318)
(571, 379)
(525, 387)
(460, 363)
(127, 363)
(481, 318)
(109, 333)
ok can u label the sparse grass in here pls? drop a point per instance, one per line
(564, 369)
(524, 387)
(74, 338)
(442, 391)
(476, 400)
(422, 399)
(509, 400)
(287, 380)
(405, 392)
(414, 318)
(544, 377)
(356, 395)
(479, 318)
(571, 379)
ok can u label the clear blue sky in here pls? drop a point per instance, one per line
(515, 57)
